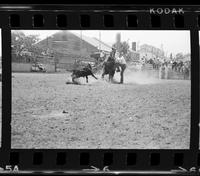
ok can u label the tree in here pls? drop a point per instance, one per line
(22, 43)
(122, 47)
(17, 40)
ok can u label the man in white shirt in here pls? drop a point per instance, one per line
(120, 59)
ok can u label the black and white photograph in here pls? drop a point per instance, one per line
(0, 88)
(101, 89)
(199, 117)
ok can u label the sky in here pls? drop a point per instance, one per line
(173, 41)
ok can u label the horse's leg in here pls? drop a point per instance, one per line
(86, 79)
(122, 77)
(123, 67)
(104, 72)
(102, 76)
(110, 77)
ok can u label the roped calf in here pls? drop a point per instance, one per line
(85, 72)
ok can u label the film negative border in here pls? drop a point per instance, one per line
(103, 161)
(97, 160)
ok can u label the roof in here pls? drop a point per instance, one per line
(104, 46)
(95, 42)
(99, 45)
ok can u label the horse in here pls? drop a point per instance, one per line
(110, 66)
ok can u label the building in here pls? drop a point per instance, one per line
(150, 52)
(133, 55)
(69, 46)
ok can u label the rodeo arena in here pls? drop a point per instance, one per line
(74, 91)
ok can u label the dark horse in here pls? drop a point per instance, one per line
(109, 68)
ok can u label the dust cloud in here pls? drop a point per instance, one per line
(130, 77)
(139, 77)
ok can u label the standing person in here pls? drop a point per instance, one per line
(75, 65)
(162, 71)
(122, 63)
(143, 60)
(121, 60)
(154, 63)
(102, 56)
(166, 70)
(189, 67)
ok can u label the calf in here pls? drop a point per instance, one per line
(85, 72)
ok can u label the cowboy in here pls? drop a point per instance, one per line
(113, 52)
(121, 60)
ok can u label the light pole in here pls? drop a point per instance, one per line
(99, 41)
(81, 43)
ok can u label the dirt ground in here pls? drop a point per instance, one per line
(142, 113)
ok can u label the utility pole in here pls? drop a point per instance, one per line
(118, 40)
(99, 41)
(138, 45)
(47, 41)
(81, 44)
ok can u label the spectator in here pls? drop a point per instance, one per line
(102, 56)
(166, 71)
(162, 71)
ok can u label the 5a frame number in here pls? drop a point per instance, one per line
(11, 168)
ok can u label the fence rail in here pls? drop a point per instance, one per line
(62, 67)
